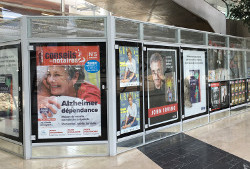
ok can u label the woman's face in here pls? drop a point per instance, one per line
(129, 56)
(59, 81)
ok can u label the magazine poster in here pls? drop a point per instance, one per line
(224, 96)
(236, 86)
(236, 98)
(129, 111)
(243, 85)
(240, 85)
(68, 91)
(9, 92)
(194, 82)
(240, 97)
(162, 86)
(243, 97)
(215, 96)
(233, 99)
(129, 66)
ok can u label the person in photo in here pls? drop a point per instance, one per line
(157, 95)
(65, 81)
(130, 120)
(130, 70)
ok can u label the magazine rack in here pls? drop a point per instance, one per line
(89, 86)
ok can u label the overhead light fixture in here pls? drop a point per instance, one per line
(47, 14)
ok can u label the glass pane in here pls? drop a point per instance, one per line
(187, 125)
(216, 40)
(67, 27)
(67, 101)
(236, 42)
(248, 44)
(218, 116)
(81, 7)
(128, 144)
(11, 147)
(159, 33)
(195, 100)
(69, 151)
(9, 92)
(163, 133)
(238, 92)
(161, 86)
(190, 37)
(237, 64)
(10, 30)
(217, 65)
(127, 29)
(129, 89)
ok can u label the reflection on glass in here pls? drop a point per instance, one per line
(237, 65)
(9, 92)
(82, 7)
(217, 65)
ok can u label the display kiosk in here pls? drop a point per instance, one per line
(99, 86)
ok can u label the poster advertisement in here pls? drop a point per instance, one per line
(248, 88)
(68, 94)
(129, 66)
(9, 92)
(194, 82)
(130, 111)
(162, 85)
(215, 96)
(224, 95)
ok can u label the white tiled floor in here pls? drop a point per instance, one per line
(230, 134)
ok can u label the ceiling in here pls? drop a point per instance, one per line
(155, 11)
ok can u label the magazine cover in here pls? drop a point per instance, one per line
(243, 97)
(243, 85)
(232, 87)
(215, 96)
(195, 86)
(170, 87)
(129, 111)
(161, 85)
(236, 87)
(129, 66)
(236, 98)
(233, 99)
(195, 99)
(68, 96)
(239, 86)
(240, 97)
(224, 99)
(211, 75)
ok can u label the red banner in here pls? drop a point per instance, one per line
(215, 84)
(66, 55)
(158, 111)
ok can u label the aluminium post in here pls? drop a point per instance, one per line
(26, 88)
(111, 83)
